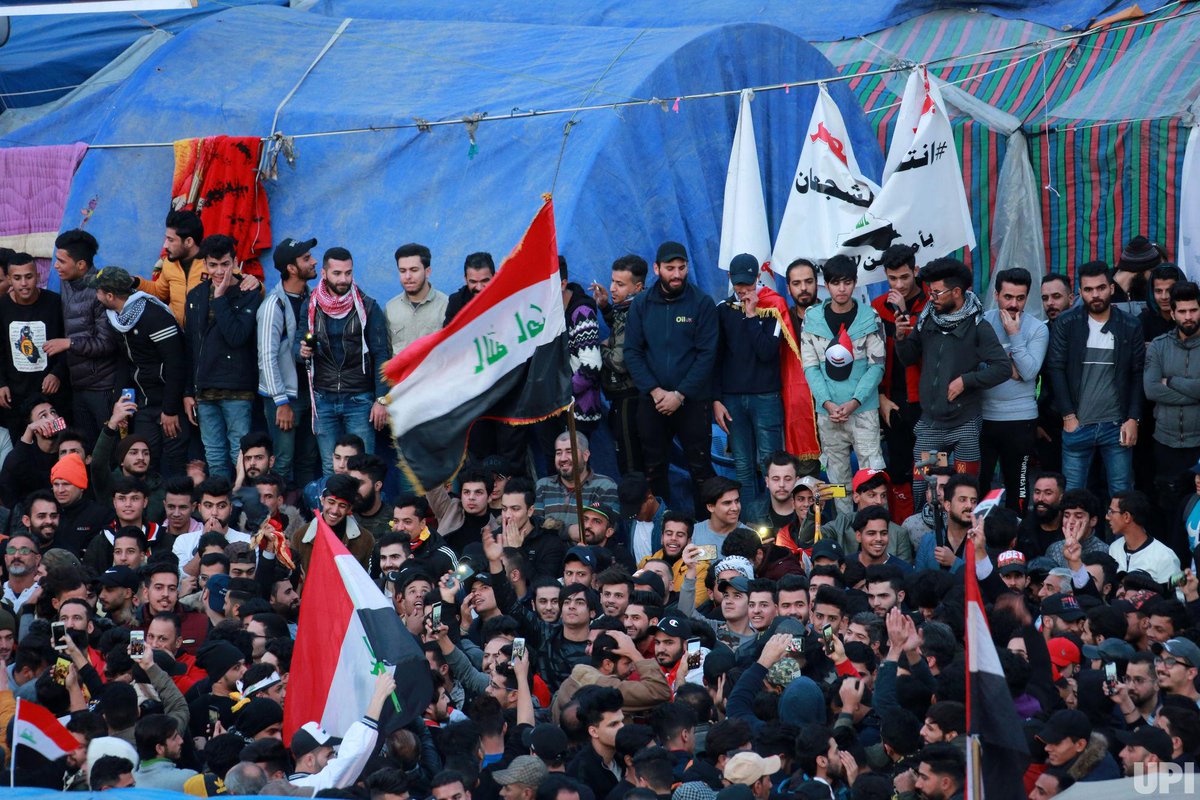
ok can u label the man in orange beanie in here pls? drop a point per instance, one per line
(80, 517)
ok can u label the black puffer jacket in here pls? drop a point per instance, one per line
(221, 340)
(95, 348)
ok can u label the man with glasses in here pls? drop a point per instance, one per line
(1176, 666)
(1128, 515)
(960, 358)
(22, 559)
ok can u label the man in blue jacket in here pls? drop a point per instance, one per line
(670, 350)
(220, 323)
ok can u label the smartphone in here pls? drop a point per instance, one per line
(58, 635)
(837, 490)
(797, 644)
(518, 647)
(214, 716)
(1110, 678)
(128, 396)
(827, 635)
(693, 653)
(708, 552)
(436, 616)
(463, 571)
(137, 644)
(59, 671)
(1176, 580)
(58, 424)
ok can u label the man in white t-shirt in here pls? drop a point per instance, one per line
(216, 509)
(1128, 513)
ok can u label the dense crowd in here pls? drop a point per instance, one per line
(777, 618)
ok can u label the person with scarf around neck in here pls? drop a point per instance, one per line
(157, 353)
(350, 343)
(960, 357)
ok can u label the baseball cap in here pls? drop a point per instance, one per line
(651, 579)
(828, 548)
(603, 510)
(287, 251)
(1068, 723)
(1063, 606)
(547, 741)
(1179, 648)
(739, 583)
(1041, 564)
(631, 492)
(1109, 650)
(1063, 651)
(526, 770)
(1011, 561)
(746, 767)
(806, 482)
(218, 587)
(311, 736)
(113, 279)
(864, 475)
(583, 554)
(479, 577)
(1153, 739)
(743, 270)
(119, 577)
(674, 626)
(668, 251)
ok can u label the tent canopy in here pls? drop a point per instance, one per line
(628, 178)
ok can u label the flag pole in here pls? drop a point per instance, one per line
(12, 767)
(575, 468)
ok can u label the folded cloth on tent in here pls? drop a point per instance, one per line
(218, 177)
(37, 181)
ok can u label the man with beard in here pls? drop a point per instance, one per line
(677, 535)
(818, 756)
(640, 618)
(1043, 527)
(1095, 367)
(555, 494)
(178, 273)
(599, 523)
(1136, 695)
(157, 354)
(671, 349)
(1010, 409)
(670, 637)
(960, 358)
(350, 344)
(271, 491)
(282, 380)
(285, 601)
(118, 585)
(160, 595)
(339, 497)
(420, 309)
(1131, 277)
(1170, 383)
(29, 316)
(369, 511)
(1057, 297)
(478, 271)
(22, 557)
(132, 455)
(946, 552)
(802, 286)
(776, 510)
(628, 279)
(899, 398)
(41, 517)
(426, 546)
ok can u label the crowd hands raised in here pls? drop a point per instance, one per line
(788, 626)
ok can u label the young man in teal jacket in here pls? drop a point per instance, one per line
(843, 349)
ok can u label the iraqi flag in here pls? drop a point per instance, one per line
(503, 357)
(36, 727)
(348, 633)
(1003, 753)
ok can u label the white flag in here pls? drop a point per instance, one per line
(828, 195)
(923, 203)
(744, 219)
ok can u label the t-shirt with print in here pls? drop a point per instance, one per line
(1098, 386)
(26, 329)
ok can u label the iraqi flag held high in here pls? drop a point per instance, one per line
(36, 726)
(503, 357)
(991, 716)
(348, 633)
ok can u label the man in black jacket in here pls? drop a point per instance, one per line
(671, 350)
(157, 356)
(960, 357)
(1095, 366)
(478, 271)
(221, 322)
(89, 342)
(29, 317)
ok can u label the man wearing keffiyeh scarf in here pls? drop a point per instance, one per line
(960, 357)
(344, 342)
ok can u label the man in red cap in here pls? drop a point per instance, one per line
(870, 487)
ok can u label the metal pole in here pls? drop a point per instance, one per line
(575, 468)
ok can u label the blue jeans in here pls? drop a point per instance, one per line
(1080, 445)
(223, 423)
(339, 414)
(296, 456)
(755, 432)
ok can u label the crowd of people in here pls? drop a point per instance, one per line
(785, 622)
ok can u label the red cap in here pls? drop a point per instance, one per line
(864, 475)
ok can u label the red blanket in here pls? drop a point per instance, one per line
(800, 421)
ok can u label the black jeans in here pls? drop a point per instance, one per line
(169, 456)
(622, 421)
(1011, 444)
(1173, 482)
(692, 424)
(90, 409)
